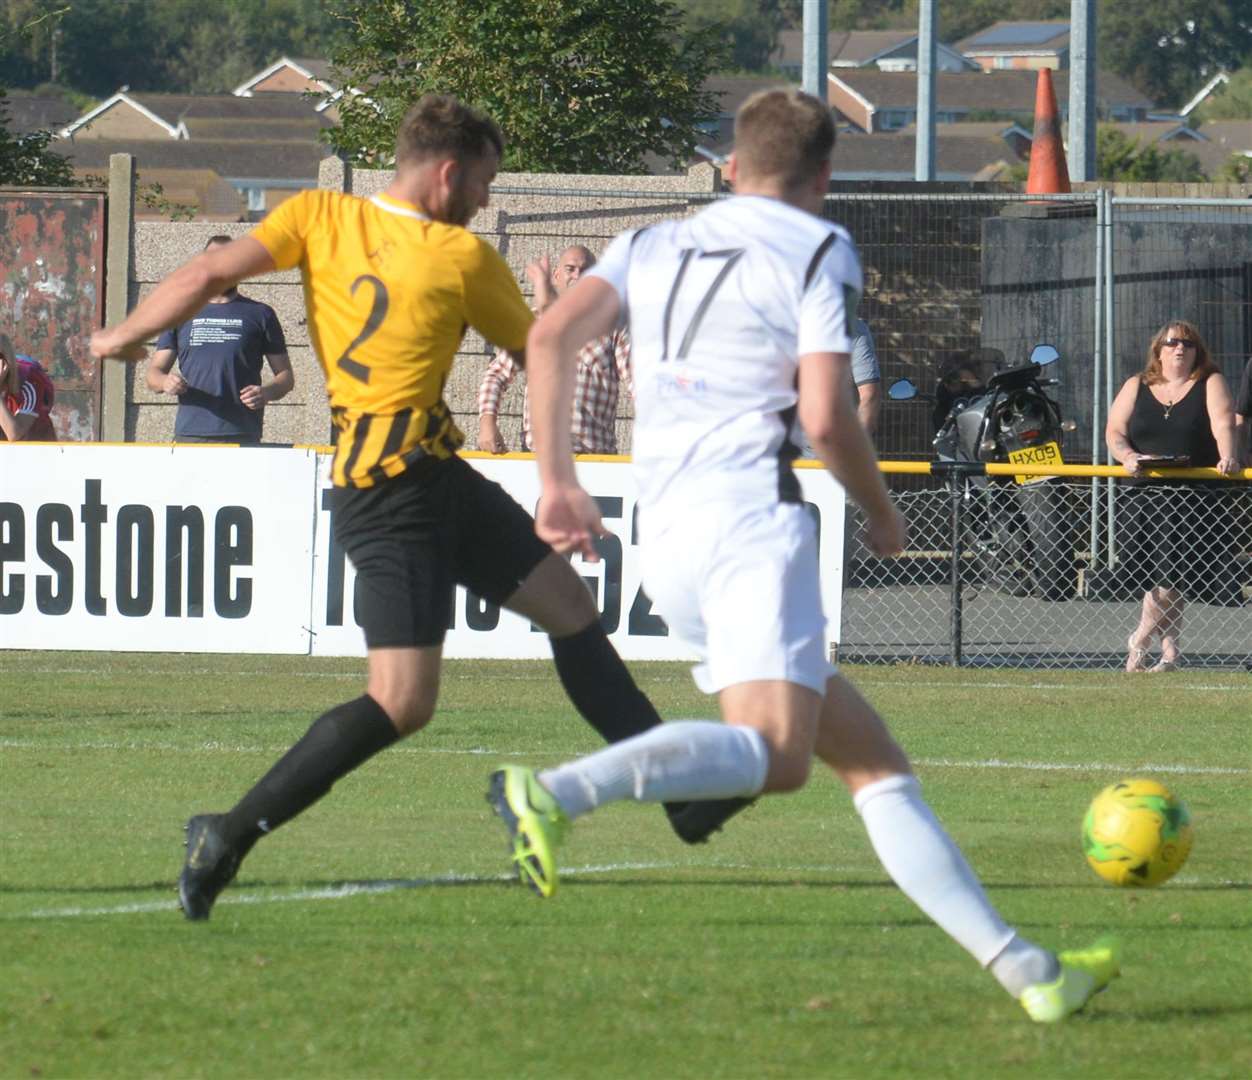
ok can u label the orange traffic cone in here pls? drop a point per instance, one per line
(1048, 172)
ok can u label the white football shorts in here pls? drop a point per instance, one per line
(740, 585)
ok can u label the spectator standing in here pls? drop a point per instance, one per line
(1243, 417)
(868, 378)
(603, 368)
(220, 352)
(26, 397)
(1175, 533)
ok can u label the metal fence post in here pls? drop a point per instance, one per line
(958, 487)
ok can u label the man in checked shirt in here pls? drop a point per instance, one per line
(603, 367)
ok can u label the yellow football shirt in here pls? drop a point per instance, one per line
(389, 294)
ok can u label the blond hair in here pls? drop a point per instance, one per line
(783, 133)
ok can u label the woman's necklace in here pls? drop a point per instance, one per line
(1175, 398)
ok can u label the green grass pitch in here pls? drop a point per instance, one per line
(380, 935)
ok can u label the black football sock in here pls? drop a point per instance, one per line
(600, 687)
(606, 696)
(336, 743)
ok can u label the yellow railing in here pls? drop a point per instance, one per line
(923, 468)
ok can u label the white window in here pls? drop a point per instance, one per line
(255, 197)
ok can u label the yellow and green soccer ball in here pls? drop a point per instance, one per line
(1136, 833)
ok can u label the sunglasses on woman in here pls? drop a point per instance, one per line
(1174, 342)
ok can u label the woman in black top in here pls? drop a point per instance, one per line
(1175, 536)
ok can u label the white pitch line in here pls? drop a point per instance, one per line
(372, 888)
(1056, 766)
(481, 751)
(545, 674)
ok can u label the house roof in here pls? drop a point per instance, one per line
(226, 106)
(318, 68)
(1002, 91)
(307, 128)
(213, 198)
(893, 155)
(733, 90)
(1236, 134)
(173, 113)
(1017, 39)
(319, 71)
(846, 48)
(233, 160)
(37, 112)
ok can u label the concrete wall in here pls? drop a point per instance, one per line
(552, 212)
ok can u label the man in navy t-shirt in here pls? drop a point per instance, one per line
(218, 382)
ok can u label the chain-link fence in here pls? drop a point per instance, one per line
(1053, 574)
(974, 276)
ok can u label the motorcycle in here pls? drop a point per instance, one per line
(1019, 530)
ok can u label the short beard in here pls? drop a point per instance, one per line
(460, 209)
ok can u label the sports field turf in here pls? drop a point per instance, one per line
(380, 935)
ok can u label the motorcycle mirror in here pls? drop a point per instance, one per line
(902, 390)
(1043, 355)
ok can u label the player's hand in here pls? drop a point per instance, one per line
(253, 397)
(569, 519)
(539, 272)
(886, 533)
(174, 384)
(105, 344)
(1228, 466)
(489, 437)
(1131, 463)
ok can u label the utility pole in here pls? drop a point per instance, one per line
(924, 164)
(1082, 90)
(816, 61)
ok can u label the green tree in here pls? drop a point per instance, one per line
(576, 87)
(748, 29)
(1170, 48)
(25, 160)
(1237, 169)
(1230, 102)
(1119, 157)
(199, 45)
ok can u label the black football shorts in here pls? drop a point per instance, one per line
(414, 537)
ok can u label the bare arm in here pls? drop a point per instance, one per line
(257, 397)
(567, 517)
(161, 377)
(1115, 431)
(869, 405)
(181, 295)
(1222, 419)
(827, 411)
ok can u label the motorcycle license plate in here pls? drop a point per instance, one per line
(1048, 453)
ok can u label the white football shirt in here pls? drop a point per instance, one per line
(721, 306)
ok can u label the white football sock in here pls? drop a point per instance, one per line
(1022, 963)
(674, 762)
(931, 871)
